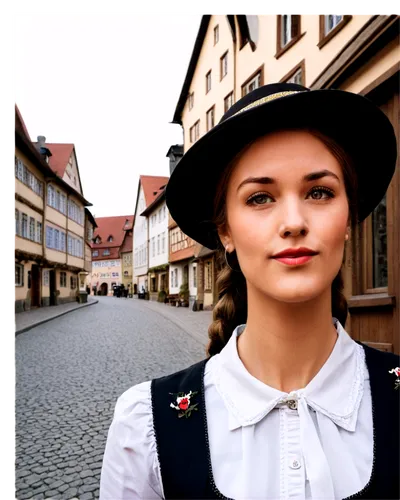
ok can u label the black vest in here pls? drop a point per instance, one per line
(183, 448)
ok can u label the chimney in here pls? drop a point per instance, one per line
(41, 146)
(174, 154)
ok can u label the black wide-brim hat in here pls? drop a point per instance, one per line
(358, 125)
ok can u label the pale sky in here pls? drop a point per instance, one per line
(108, 83)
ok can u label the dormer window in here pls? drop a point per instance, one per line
(98, 240)
(110, 239)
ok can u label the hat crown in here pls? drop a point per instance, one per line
(264, 91)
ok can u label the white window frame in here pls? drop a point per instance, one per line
(46, 278)
(228, 102)
(38, 232)
(32, 229)
(253, 84)
(24, 226)
(63, 279)
(17, 222)
(336, 19)
(208, 81)
(296, 77)
(20, 282)
(224, 65)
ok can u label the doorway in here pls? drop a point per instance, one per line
(35, 286)
(52, 283)
(104, 289)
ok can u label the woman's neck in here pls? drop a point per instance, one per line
(286, 344)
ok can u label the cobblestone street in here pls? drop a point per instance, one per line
(69, 374)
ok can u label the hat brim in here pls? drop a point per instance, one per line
(354, 122)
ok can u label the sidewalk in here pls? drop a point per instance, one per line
(193, 323)
(29, 319)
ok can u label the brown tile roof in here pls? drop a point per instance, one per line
(111, 226)
(127, 245)
(152, 186)
(186, 253)
(61, 154)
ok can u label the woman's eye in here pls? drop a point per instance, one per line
(316, 194)
(320, 191)
(258, 199)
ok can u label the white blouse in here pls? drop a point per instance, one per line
(314, 443)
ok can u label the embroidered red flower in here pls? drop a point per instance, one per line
(183, 404)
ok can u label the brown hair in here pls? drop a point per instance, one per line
(231, 308)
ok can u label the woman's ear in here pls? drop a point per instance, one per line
(225, 237)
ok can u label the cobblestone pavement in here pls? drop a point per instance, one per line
(69, 374)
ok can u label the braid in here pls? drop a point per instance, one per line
(230, 310)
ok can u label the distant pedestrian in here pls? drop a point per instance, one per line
(286, 404)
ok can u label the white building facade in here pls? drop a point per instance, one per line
(140, 244)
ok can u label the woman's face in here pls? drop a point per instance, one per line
(271, 206)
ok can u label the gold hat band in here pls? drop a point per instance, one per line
(266, 99)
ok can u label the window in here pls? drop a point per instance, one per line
(296, 78)
(57, 200)
(289, 29)
(51, 196)
(31, 229)
(63, 279)
(191, 100)
(208, 82)
(56, 239)
(228, 101)
(24, 226)
(165, 212)
(194, 276)
(19, 275)
(158, 244)
(329, 26)
(153, 246)
(224, 65)
(175, 276)
(69, 245)
(208, 276)
(210, 119)
(253, 83)
(63, 203)
(62, 239)
(296, 75)
(72, 282)
(17, 223)
(106, 252)
(19, 170)
(39, 232)
(374, 250)
(163, 242)
(110, 239)
(216, 34)
(331, 22)
(46, 278)
(95, 253)
(25, 175)
(195, 132)
(49, 237)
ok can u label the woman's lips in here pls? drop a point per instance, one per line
(295, 261)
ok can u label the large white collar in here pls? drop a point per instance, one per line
(335, 391)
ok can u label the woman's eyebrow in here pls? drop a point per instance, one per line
(307, 178)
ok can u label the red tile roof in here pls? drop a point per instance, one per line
(61, 154)
(152, 186)
(111, 226)
(183, 254)
(127, 245)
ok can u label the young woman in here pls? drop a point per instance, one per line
(286, 404)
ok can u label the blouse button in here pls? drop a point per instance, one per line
(292, 404)
(294, 463)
